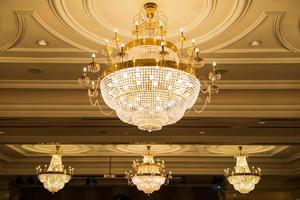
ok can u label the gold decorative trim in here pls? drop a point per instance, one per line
(149, 62)
(150, 41)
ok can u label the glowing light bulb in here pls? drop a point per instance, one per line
(181, 30)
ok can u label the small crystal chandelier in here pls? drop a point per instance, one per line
(242, 177)
(55, 176)
(149, 82)
(148, 175)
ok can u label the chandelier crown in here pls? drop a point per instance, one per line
(241, 176)
(55, 176)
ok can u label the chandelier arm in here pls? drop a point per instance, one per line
(207, 100)
(97, 103)
(179, 56)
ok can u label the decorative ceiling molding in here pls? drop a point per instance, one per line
(18, 34)
(59, 36)
(249, 60)
(242, 34)
(278, 15)
(84, 110)
(213, 164)
(164, 149)
(49, 60)
(5, 157)
(40, 21)
(223, 84)
(278, 20)
(173, 150)
(293, 157)
(251, 150)
(62, 13)
(205, 13)
(59, 8)
(55, 50)
(256, 50)
(237, 13)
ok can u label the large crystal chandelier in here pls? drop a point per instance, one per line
(242, 177)
(148, 175)
(149, 82)
(55, 176)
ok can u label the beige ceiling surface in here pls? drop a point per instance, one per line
(223, 27)
(258, 104)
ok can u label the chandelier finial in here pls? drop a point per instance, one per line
(150, 9)
(240, 149)
(148, 147)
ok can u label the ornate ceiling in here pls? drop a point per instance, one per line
(258, 104)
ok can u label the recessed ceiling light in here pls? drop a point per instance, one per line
(255, 43)
(42, 42)
(2, 132)
(261, 122)
(35, 70)
(202, 132)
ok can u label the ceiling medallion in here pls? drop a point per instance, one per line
(242, 177)
(149, 82)
(55, 176)
(148, 175)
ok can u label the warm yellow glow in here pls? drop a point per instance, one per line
(242, 177)
(148, 175)
(55, 176)
(150, 97)
(144, 93)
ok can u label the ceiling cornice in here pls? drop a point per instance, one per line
(252, 60)
(223, 84)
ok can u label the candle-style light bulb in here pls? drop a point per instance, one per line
(93, 57)
(214, 64)
(193, 42)
(116, 33)
(122, 49)
(197, 52)
(162, 46)
(84, 69)
(181, 31)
